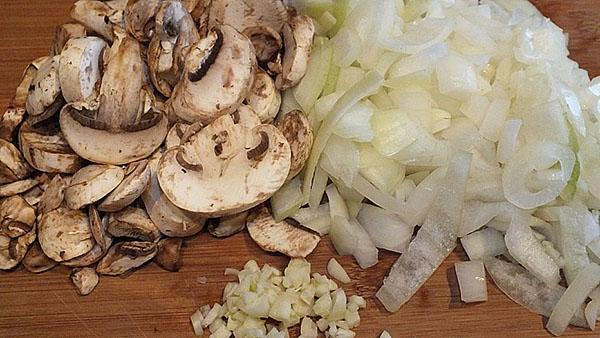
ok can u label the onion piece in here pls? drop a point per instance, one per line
(287, 200)
(573, 298)
(591, 313)
(310, 87)
(471, 281)
(349, 238)
(316, 219)
(386, 229)
(484, 243)
(571, 244)
(507, 145)
(434, 241)
(337, 206)
(528, 251)
(526, 290)
(335, 270)
(419, 36)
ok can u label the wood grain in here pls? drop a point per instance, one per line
(155, 303)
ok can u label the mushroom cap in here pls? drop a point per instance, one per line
(84, 280)
(219, 71)
(13, 166)
(54, 194)
(242, 14)
(95, 16)
(64, 33)
(65, 234)
(45, 148)
(101, 146)
(17, 187)
(133, 223)
(264, 98)
(228, 225)
(139, 18)
(13, 250)
(266, 41)
(239, 168)
(169, 219)
(175, 134)
(125, 256)
(17, 217)
(80, 68)
(36, 260)
(92, 183)
(128, 190)
(169, 254)
(298, 35)
(30, 72)
(45, 98)
(281, 236)
(297, 130)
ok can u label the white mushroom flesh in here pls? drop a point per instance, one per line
(84, 280)
(297, 38)
(264, 98)
(65, 234)
(92, 183)
(80, 69)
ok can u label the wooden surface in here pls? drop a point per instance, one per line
(155, 303)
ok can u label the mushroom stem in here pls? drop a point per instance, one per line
(184, 162)
(256, 152)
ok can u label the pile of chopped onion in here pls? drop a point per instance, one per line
(466, 119)
(289, 298)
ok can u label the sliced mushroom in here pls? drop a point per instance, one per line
(13, 166)
(200, 10)
(89, 258)
(175, 134)
(54, 195)
(45, 149)
(17, 217)
(133, 223)
(175, 34)
(125, 256)
(139, 18)
(17, 187)
(80, 68)
(242, 14)
(298, 34)
(36, 261)
(13, 250)
(33, 196)
(297, 130)
(281, 236)
(169, 254)
(228, 225)
(95, 16)
(264, 98)
(92, 183)
(128, 190)
(6, 261)
(20, 98)
(45, 98)
(170, 220)
(225, 168)
(84, 280)
(125, 115)
(64, 33)
(10, 120)
(65, 234)
(101, 237)
(219, 71)
(266, 41)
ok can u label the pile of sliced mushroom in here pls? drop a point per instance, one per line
(147, 119)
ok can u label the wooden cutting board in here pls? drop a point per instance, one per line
(154, 303)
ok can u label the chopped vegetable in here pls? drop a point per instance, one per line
(471, 281)
(336, 271)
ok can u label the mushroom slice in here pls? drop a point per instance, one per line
(17, 187)
(80, 68)
(64, 33)
(45, 149)
(225, 168)
(125, 256)
(13, 250)
(17, 217)
(65, 234)
(10, 120)
(84, 280)
(101, 146)
(242, 14)
(200, 10)
(219, 71)
(169, 254)
(45, 98)
(22, 92)
(95, 16)
(88, 258)
(281, 236)
(297, 130)
(169, 219)
(266, 41)
(264, 98)
(98, 228)
(228, 225)
(54, 195)
(13, 166)
(133, 223)
(36, 261)
(297, 39)
(175, 134)
(33, 196)
(139, 18)
(91, 183)
(128, 190)
(175, 34)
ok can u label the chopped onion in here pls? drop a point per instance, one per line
(573, 298)
(471, 281)
(484, 243)
(349, 238)
(308, 90)
(287, 200)
(337, 206)
(572, 244)
(419, 36)
(318, 219)
(387, 230)
(335, 270)
(508, 140)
